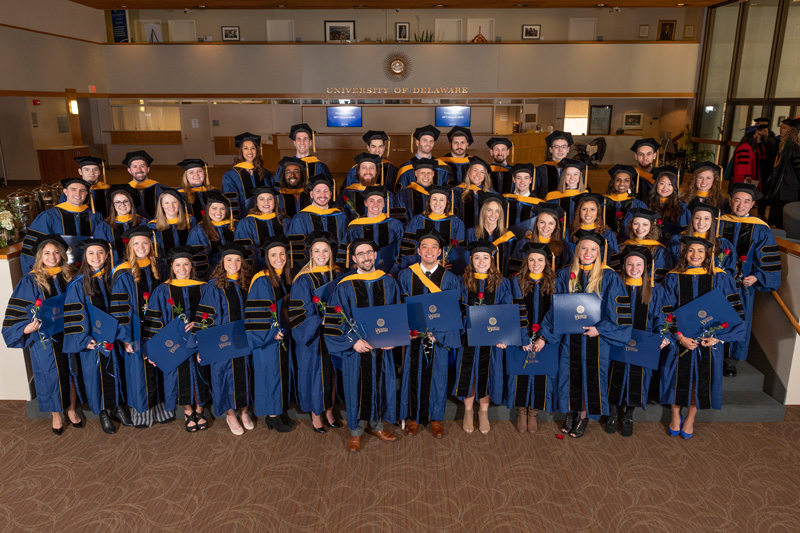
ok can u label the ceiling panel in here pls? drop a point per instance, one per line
(379, 4)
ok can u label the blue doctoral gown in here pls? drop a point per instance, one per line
(207, 252)
(172, 236)
(313, 218)
(237, 186)
(252, 231)
(63, 219)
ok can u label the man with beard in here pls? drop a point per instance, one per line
(425, 138)
(457, 159)
(499, 149)
(548, 173)
(377, 144)
(318, 216)
(351, 199)
(90, 169)
(138, 164)
(645, 153)
(302, 137)
(375, 226)
(292, 185)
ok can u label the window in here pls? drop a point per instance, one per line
(576, 116)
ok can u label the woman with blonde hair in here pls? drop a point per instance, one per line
(316, 376)
(172, 223)
(491, 226)
(194, 186)
(55, 388)
(705, 186)
(476, 179)
(571, 183)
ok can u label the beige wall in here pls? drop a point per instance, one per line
(55, 16)
(16, 139)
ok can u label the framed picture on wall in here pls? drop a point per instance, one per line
(632, 121)
(666, 30)
(531, 32)
(688, 32)
(230, 33)
(644, 31)
(600, 120)
(402, 31)
(340, 30)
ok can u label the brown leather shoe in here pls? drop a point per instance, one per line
(522, 419)
(354, 444)
(384, 435)
(412, 427)
(533, 424)
(437, 428)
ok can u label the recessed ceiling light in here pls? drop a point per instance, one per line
(440, 5)
(600, 5)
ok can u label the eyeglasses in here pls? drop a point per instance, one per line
(362, 255)
(122, 202)
(559, 146)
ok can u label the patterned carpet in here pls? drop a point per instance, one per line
(729, 477)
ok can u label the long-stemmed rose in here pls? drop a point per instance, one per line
(35, 309)
(709, 333)
(177, 310)
(446, 255)
(146, 298)
(739, 277)
(322, 306)
(534, 336)
(574, 277)
(273, 309)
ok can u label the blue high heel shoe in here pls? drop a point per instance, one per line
(675, 433)
(686, 436)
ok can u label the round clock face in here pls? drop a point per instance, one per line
(398, 66)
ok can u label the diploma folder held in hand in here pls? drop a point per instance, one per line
(488, 325)
(383, 326)
(169, 347)
(544, 363)
(222, 343)
(436, 311)
(104, 326)
(51, 314)
(644, 349)
(572, 312)
(709, 310)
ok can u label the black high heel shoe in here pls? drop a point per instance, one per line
(287, 420)
(569, 422)
(333, 425)
(276, 422)
(76, 425)
(580, 428)
(58, 431)
(320, 430)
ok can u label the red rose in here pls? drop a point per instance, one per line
(725, 325)
(742, 258)
(170, 301)
(203, 212)
(535, 328)
(659, 221)
(337, 309)
(204, 316)
(560, 436)
(480, 295)
(679, 333)
(414, 332)
(315, 299)
(572, 275)
(273, 308)
(619, 214)
(38, 302)
(125, 240)
(454, 242)
(146, 296)
(108, 346)
(670, 317)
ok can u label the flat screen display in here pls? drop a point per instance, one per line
(452, 115)
(346, 116)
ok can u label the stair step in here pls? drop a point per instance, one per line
(747, 378)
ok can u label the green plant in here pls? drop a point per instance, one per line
(425, 37)
(692, 153)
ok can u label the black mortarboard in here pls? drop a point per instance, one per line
(178, 252)
(498, 140)
(599, 199)
(214, 196)
(791, 122)
(86, 161)
(233, 248)
(124, 188)
(297, 128)
(552, 209)
(292, 161)
(263, 190)
(522, 167)
(367, 157)
(484, 197)
(697, 205)
(627, 169)
(44, 239)
(425, 162)
(171, 192)
(375, 190)
(273, 241)
(762, 121)
(430, 234)
(537, 248)
(654, 144)
(427, 130)
(566, 162)
(69, 181)
(641, 251)
(130, 157)
(187, 164)
(247, 136)
(697, 167)
(458, 131)
(657, 171)
(482, 246)
(316, 179)
(351, 248)
(104, 244)
(582, 235)
(321, 236)
(641, 212)
(553, 137)
(749, 188)
(474, 160)
(439, 189)
(374, 134)
(688, 239)
(138, 231)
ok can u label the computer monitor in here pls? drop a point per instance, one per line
(346, 116)
(452, 115)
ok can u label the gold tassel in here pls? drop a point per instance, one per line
(678, 178)
(103, 168)
(155, 245)
(412, 145)
(507, 213)
(380, 167)
(91, 200)
(313, 141)
(207, 181)
(512, 153)
(652, 273)
(347, 253)
(388, 151)
(452, 203)
(637, 180)
(186, 215)
(605, 252)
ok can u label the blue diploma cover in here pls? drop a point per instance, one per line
(169, 347)
(104, 326)
(709, 310)
(383, 326)
(436, 311)
(488, 325)
(544, 363)
(644, 349)
(524, 229)
(222, 343)
(51, 315)
(75, 252)
(571, 312)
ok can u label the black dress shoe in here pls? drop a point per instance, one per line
(320, 430)
(120, 414)
(627, 426)
(729, 371)
(58, 431)
(335, 424)
(276, 422)
(286, 419)
(611, 423)
(106, 423)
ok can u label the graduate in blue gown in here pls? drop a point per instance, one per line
(370, 384)
(479, 369)
(620, 199)
(460, 140)
(100, 366)
(266, 219)
(548, 229)
(414, 197)
(302, 137)
(438, 216)
(93, 171)
(572, 182)
(122, 216)
(316, 375)
(72, 217)
(377, 144)
(532, 289)
(214, 233)
(248, 173)
(491, 225)
(629, 384)
(704, 223)
(138, 164)
(375, 226)
(195, 184)
(643, 230)
(468, 192)
(757, 260)
(265, 312)
(548, 174)
(291, 185)
(589, 209)
(178, 299)
(583, 366)
(424, 139)
(134, 281)
(500, 148)
(694, 379)
(56, 389)
(424, 388)
(663, 199)
(520, 197)
(172, 222)
(223, 302)
(351, 198)
(318, 216)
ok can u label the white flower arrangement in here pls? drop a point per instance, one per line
(7, 220)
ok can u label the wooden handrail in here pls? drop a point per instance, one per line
(786, 311)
